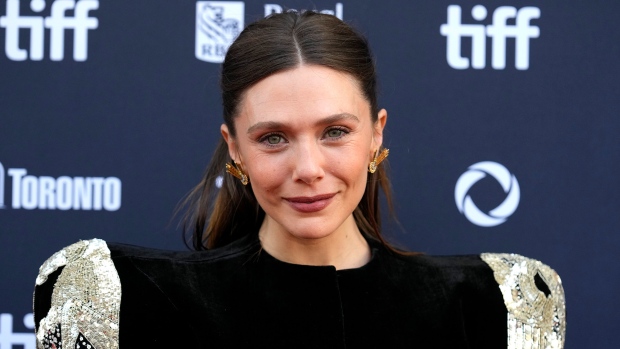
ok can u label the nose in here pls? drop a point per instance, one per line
(309, 162)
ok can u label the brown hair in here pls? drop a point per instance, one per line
(279, 42)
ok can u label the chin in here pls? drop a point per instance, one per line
(312, 230)
(314, 236)
(310, 234)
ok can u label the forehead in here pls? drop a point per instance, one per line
(303, 94)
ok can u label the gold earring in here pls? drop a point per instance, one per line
(372, 167)
(236, 171)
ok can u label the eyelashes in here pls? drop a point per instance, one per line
(331, 134)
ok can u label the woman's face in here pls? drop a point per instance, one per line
(305, 138)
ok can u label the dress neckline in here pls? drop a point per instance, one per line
(375, 249)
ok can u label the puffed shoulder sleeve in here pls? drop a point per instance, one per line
(534, 298)
(77, 298)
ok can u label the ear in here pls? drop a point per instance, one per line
(230, 140)
(377, 136)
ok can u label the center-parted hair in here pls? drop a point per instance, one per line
(216, 217)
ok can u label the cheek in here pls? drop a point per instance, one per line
(351, 168)
(266, 174)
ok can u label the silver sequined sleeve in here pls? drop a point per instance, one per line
(534, 297)
(86, 299)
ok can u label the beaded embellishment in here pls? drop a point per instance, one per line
(86, 300)
(534, 297)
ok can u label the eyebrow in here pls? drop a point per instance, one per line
(272, 125)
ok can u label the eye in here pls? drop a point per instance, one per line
(273, 139)
(336, 133)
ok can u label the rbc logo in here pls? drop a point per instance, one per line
(217, 24)
(498, 31)
(466, 205)
(14, 24)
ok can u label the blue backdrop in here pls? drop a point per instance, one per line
(503, 131)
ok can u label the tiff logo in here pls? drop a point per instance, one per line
(522, 31)
(58, 22)
(8, 338)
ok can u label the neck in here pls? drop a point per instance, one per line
(345, 248)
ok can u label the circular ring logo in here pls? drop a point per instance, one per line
(466, 205)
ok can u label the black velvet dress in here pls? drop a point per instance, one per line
(238, 296)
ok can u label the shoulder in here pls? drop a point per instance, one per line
(529, 293)
(502, 269)
(77, 297)
(451, 271)
(236, 249)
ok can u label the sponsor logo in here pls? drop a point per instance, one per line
(217, 25)
(58, 22)
(62, 193)
(275, 8)
(466, 205)
(8, 338)
(499, 31)
(219, 22)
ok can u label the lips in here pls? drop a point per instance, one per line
(307, 204)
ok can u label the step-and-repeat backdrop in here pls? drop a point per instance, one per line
(503, 131)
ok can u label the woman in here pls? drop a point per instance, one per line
(295, 253)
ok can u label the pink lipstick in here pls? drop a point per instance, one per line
(308, 204)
